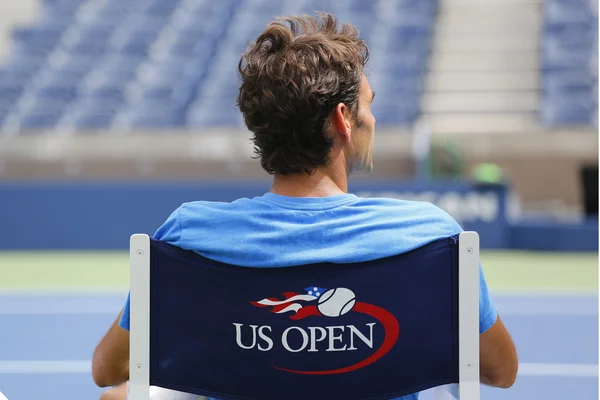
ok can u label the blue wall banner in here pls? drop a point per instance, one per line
(67, 215)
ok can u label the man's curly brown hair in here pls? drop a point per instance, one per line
(293, 77)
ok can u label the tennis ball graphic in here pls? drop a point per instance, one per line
(336, 302)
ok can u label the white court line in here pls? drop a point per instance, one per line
(563, 370)
(84, 367)
(46, 367)
(76, 311)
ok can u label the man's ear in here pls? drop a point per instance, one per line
(342, 119)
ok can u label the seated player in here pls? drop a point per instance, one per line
(306, 99)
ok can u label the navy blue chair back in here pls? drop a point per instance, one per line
(370, 330)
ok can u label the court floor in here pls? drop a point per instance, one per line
(47, 342)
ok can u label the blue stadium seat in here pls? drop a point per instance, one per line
(561, 12)
(63, 3)
(59, 90)
(107, 10)
(220, 87)
(131, 46)
(120, 64)
(10, 91)
(309, 7)
(21, 68)
(46, 35)
(391, 86)
(85, 46)
(214, 112)
(263, 7)
(580, 37)
(170, 70)
(69, 74)
(567, 110)
(389, 112)
(201, 119)
(406, 65)
(190, 46)
(89, 118)
(150, 115)
(31, 104)
(567, 82)
(73, 69)
(113, 92)
(36, 119)
(358, 7)
(142, 22)
(160, 7)
(91, 113)
(205, 24)
(14, 77)
(95, 34)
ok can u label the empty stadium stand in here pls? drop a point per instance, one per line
(484, 68)
(113, 65)
(569, 70)
(151, 64)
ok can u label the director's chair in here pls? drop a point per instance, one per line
(370, 330)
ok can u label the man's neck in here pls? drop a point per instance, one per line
(320, 184)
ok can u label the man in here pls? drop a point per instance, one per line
(305, 97)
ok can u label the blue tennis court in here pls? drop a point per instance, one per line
(48, 340)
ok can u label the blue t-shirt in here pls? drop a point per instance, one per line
(279, 231)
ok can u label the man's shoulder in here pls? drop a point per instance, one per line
(398, 205)
(195, 206)
(416, 213)
(394, 202)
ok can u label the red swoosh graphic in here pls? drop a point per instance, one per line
(392, 330)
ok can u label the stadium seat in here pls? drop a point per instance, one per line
(396, 114)
(160, 8)
(118, 64)
(58, 90)
(214, 111)
(395, 345)
(44, 35)
(36, 120)
(88, 120)
(150, 112)
(561, 12)
(95, 34)
(389, 87)
(10, 91)
(264, 7)
(567, 110)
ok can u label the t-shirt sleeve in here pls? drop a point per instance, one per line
(169, 232)
(487, 311)
(124, 321)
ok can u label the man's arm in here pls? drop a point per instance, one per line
(110, 364)
(497, 357)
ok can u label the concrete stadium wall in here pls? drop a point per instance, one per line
(542, 167)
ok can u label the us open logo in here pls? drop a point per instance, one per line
(320, 302)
